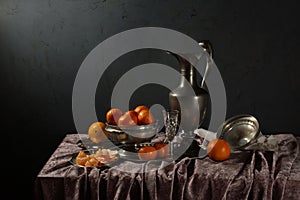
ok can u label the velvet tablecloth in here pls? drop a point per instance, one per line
(246, 175)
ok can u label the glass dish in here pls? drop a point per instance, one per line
(131, 134)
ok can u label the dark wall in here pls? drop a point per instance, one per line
(43, 43)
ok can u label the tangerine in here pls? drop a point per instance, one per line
(140, 108)
(218, 150)
(147, 153)
(162, 150)
(113, 115)
(130, 118)
(97, 132)
(145, 117)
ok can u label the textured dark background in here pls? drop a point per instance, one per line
(42, 45)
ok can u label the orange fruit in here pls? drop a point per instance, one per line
(130, 118)
(162, 149)
(97, 132)
(113, 115)
(147, 153)
(218, 150)
(141, 107)
(145, 117)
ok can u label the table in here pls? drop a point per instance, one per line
(246, 175)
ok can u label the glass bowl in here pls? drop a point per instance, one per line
(131, 134)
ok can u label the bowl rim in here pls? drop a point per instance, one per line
(135, 127)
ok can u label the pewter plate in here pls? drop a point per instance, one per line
(239, 131)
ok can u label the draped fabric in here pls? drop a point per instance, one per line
(246, 175)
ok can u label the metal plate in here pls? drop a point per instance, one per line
(239, 131)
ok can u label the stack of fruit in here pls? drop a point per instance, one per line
(141, 115)
(136, 118)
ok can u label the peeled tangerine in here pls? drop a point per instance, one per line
(97, 132)
(82, 158)
(102, 156)
(92, 162)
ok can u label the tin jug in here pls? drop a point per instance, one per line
(193, 106)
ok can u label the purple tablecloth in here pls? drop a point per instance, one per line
(246, 175)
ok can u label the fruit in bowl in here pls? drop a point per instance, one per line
(144, 115)
(130, 118)
(140, 115)
(113, 116)
(134, 126)
(140, 108)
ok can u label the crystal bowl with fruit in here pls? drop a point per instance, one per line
(132, 127)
